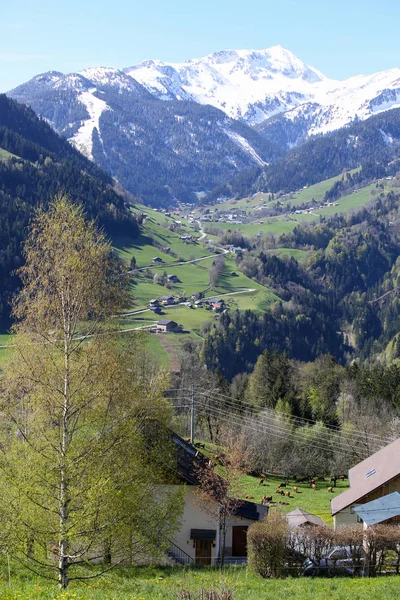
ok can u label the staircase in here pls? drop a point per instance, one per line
(176, 553)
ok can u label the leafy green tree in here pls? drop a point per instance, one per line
(77, 409)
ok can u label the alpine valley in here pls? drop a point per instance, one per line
(167, 131)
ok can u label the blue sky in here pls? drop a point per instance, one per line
(340, 38)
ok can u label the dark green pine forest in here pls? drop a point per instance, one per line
(35, 165)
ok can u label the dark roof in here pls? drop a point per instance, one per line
(166, 322)
(251, 510)
(188, 461)
(203, 534)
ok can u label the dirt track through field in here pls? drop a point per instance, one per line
(175, 363)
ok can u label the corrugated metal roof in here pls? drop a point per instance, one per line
(379, 510)
(368, 475)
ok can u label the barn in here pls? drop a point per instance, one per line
(166, 325)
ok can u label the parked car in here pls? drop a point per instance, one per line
(338, 563)
(325, 568)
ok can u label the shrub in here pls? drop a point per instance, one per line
(267, 546)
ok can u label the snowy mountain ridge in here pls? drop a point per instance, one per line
(255, 85)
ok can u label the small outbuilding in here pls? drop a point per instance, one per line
(302, 518)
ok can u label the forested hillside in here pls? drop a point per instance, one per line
(35, 165)
(344, 299)
(373, 144)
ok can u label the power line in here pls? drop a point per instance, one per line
(261, 428)
(299, 430)
(297, 419)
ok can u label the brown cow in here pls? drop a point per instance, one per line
(279, 491)
(262, 478)
(314, 487)
(287, 493)
(249, 497)
(330, 489)
(295, 489)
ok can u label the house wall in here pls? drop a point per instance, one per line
(194, 517)
(348, 517)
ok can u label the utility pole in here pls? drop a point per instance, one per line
(192, 419)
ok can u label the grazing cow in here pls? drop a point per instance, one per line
(314, 487)
(333, 480)
(279, 491)
(281, 485)
(249, 497)
(342, 477)
(262, 478)
(284, 503)
(330, 489)
(287, 493)
(311, 482)
(295, 489)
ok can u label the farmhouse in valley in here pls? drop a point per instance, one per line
(373, 478)
(167, 325)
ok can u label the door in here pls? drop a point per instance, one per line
(203, 552)
(239, 540)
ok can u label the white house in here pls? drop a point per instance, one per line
(374, 477)
(199, 537)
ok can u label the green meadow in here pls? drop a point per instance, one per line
(169, 583)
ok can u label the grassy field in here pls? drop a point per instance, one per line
(316, 501)
(273, 225)
(4, 154)
(299, 255)
(168, 583)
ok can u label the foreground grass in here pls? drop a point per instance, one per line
(155, 583)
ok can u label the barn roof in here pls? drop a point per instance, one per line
(368, 475)
(166, 322)
(379, 510)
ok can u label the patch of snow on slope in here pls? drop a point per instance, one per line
(83, 137)
(244, 144)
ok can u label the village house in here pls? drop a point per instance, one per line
(217, 305)
(199, 538)
(172, 279)
(373, 478)
(167, 325)
(167, 300)
(157, 259)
